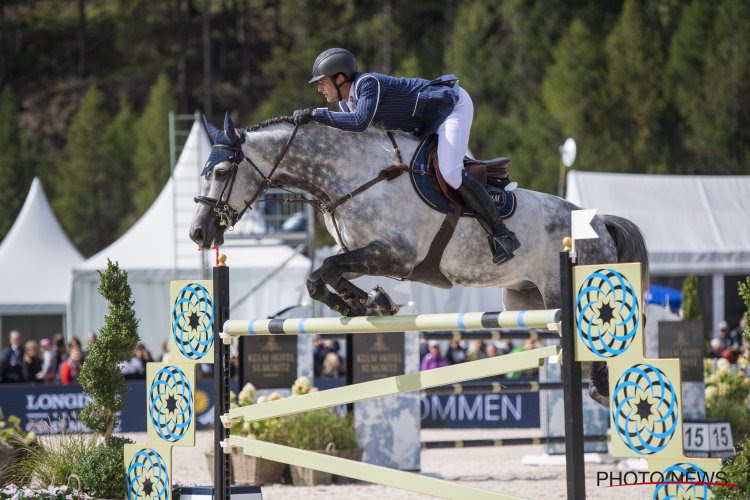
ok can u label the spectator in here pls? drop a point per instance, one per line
(136, 367)
(716, 349)
(723, 334)
(32, 364)
(11, 360)
(505, 347)
(456, 353)
(322, 347)
(164, 357)
(331, 366)
(491, 350)
(71, 367)
(61, 353)
(143, 353)
(49, 367)
(74, 343)
(433, 359)
(90, 339)
(736, 334)
(423, 347)
(476, 351)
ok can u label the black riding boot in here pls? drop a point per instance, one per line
(502, 240)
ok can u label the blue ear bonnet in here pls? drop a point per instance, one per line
(224, 149)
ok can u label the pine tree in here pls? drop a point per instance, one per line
(101, 377)
(15, 174)
(691, 306)
(117, 203)
(83, 175)
(151, 157)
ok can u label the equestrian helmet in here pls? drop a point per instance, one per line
(331, 62)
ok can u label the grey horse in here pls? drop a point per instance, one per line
(387, 229)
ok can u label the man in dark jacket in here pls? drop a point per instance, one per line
(414, 105)
(11, 360)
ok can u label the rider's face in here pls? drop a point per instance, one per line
(326, 87)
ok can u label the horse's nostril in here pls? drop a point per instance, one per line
(198, 234)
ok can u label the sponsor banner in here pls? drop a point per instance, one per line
(44, 408)
(519, 410)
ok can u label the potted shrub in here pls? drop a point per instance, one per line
(14, 443)
(323, 431)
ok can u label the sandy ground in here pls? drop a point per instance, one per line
(496, 469)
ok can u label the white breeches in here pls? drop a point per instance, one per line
(453, 141)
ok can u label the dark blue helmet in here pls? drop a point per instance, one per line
(331, 62)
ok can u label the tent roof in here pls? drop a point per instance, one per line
(159, 239)
(692, 223)
(36, 258)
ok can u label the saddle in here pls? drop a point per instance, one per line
(429, 184)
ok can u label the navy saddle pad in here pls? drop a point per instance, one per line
(426, 186)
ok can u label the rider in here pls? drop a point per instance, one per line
(414, 105)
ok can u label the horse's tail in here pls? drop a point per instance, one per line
(631, 246)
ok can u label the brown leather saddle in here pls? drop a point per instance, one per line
(494, 172)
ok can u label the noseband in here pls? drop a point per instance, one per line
(227, 215)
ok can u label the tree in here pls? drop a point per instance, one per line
(635, 58)
(15, 174)
(117, 204)
(151, 157)
(101, 377)
(83, 176)
(691, 307)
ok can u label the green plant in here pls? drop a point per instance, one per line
(318, 429)
(691, 307)
(737, 472)
(11, 432)
(727, 399)
(52, 459)
(101, 377)
(101, 469)
(744, 290)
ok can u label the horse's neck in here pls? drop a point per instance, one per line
(323, 161)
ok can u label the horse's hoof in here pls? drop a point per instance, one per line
(379, 303)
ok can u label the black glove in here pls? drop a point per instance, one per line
(302, 116)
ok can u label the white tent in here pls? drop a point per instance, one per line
(692, 223)
(157, 249)
(36, 258)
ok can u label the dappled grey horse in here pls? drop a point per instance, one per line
(386, 229)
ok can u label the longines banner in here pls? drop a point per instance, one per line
(43, 408)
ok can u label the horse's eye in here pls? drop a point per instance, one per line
(220, 174)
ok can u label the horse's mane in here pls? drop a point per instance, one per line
(271, 121)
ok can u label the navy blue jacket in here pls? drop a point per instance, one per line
(413, 105)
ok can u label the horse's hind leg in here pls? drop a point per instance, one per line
(374, 259)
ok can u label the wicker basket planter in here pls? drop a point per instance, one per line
(254, 470)
(302, 476)
(249, 470)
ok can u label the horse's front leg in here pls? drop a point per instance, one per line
(374, 259)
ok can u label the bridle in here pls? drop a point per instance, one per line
(227, 215)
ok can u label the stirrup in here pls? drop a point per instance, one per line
(503, 247)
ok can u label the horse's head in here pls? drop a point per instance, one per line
(220, 205)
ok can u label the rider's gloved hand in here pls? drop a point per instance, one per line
(302, 116)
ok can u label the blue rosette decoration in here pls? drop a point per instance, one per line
(683, 471)
(644, 409)
(192, 321)
(148, 476)
(607, 313)
(170, 403)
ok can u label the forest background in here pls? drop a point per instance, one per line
(659, 87)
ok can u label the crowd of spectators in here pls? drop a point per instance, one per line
(728, 344)
(52, 361)
(458, 351)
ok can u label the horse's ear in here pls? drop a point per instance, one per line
(228, 124)
(211, 130)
